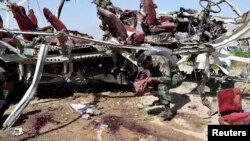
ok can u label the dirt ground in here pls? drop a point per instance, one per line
(124, 116)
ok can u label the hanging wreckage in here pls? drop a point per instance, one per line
(41, 55)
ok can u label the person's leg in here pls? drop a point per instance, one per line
(177, 79)
(3, 107)
(165, 99)
(154, 91)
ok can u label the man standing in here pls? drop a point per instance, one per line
(162, 77)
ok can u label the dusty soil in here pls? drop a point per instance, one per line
(125, 117)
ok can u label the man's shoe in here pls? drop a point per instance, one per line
(167, 114)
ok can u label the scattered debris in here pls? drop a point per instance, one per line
(16, 131)
(86, 110)
(244, 75)
(86, 116)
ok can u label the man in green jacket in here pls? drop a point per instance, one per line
(162, 77)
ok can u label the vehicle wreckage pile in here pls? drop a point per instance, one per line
(57, 54)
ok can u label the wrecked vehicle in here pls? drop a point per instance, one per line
(56, 54)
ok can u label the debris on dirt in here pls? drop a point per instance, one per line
(86, 116)
(86, 110)
(244, 75)
(16, 131)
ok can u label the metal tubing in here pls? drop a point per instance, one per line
(30, 93)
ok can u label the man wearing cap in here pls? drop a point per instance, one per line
(162, 76)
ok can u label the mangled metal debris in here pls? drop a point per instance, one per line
(70, 56)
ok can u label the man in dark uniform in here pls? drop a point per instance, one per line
(6, 85)
(162, 77)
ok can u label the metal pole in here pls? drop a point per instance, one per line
(30, 93)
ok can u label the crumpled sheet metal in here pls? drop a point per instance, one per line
(235, 35)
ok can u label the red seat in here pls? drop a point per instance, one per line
(230, 107)
(23, 21)
(118, 30)
(236, 118)
(115, 25)
(59, 26)
(165, 24)
(166, 19)
(55, 22)
(148, 7)
(33, 18)
(136, 37)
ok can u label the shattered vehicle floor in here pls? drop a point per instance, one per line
(124, 116)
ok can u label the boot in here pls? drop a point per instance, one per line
(167, 114)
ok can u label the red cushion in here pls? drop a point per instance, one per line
(23, 20)
(229, 100)
(235, 118)
(22, 10)
(32, 17)
(59, 26)
(56, 23)
(149, 10)
(136, 37)
(166, 19)
(115, 25)
(167, 26)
